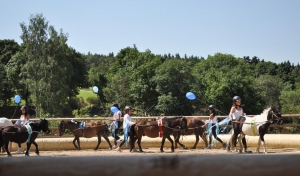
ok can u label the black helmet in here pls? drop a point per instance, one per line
(24, 107)
(128, 107)
(211, 107)
(116, 105)
(236, 98)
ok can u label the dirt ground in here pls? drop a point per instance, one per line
(151, 151)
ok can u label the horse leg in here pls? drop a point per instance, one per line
(258, 145)
(162, 144)
(78, 142)
(204, 138)
(263, 143)
(177, 138)
(139, 143)
(75, 139)
(197, 140)
(172, 142)
(107, 140)
(240, 142)
(36, 148)
(99, 141)
(176, 141)
(6, 148)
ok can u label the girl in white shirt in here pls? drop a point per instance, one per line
(127, 123)
(24, 119)
(117, 124)
(235, 112)
(213, 122)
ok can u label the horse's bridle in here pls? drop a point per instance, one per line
(277, 118)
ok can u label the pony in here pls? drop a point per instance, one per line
(151, 129)
(23, 134)
(90, 130)
(257, 125)
(194, 127)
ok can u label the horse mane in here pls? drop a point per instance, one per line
(266, 111)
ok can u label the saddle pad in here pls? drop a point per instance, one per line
(29, 132)
(251, 126)
(159, 123)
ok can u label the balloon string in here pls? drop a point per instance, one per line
(14, 112)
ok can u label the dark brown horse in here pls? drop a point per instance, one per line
(151, 129)
(194, 127)
(23, 134)
(90, 130)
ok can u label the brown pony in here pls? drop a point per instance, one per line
(194, 127)
(151, 129)
(90, 130)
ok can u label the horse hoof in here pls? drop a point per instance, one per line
(162, 151)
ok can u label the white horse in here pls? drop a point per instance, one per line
(256, 126)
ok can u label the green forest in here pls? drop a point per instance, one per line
(48, 75)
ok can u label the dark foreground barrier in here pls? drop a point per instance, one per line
(266, 165)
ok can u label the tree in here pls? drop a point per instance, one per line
(46, 69)
(174, 80)
(221, 77)
(7, 49)
(270, 87)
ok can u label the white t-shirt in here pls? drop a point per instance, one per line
(237, 113)
(127, 121)
(116, 114)
(214, 120)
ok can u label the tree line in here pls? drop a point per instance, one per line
(48, 74)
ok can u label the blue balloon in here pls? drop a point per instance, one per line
(17, 99)
(95, 89)
(114, 109)
(190, 96)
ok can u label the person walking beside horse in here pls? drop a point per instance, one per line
(235, 112)
(127, 125)
(116, 125)
(213, 122)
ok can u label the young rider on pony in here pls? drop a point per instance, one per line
(213, 122)
(24, 119)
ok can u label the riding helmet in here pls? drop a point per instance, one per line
(211, 107)
(24, 107)
(116, 105)
(235, 98)
(128, 108)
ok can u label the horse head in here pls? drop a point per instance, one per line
(61, 128)
(44, 126)
(275, 115)
(183, 124)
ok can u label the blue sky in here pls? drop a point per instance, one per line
(268, 29)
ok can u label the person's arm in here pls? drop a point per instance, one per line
(232, 110)
(243, 114)
(211, 116)
(128, 120)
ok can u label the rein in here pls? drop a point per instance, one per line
(174, 129)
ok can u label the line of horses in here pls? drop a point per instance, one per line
(175, 126)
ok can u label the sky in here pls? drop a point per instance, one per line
(268, 29)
